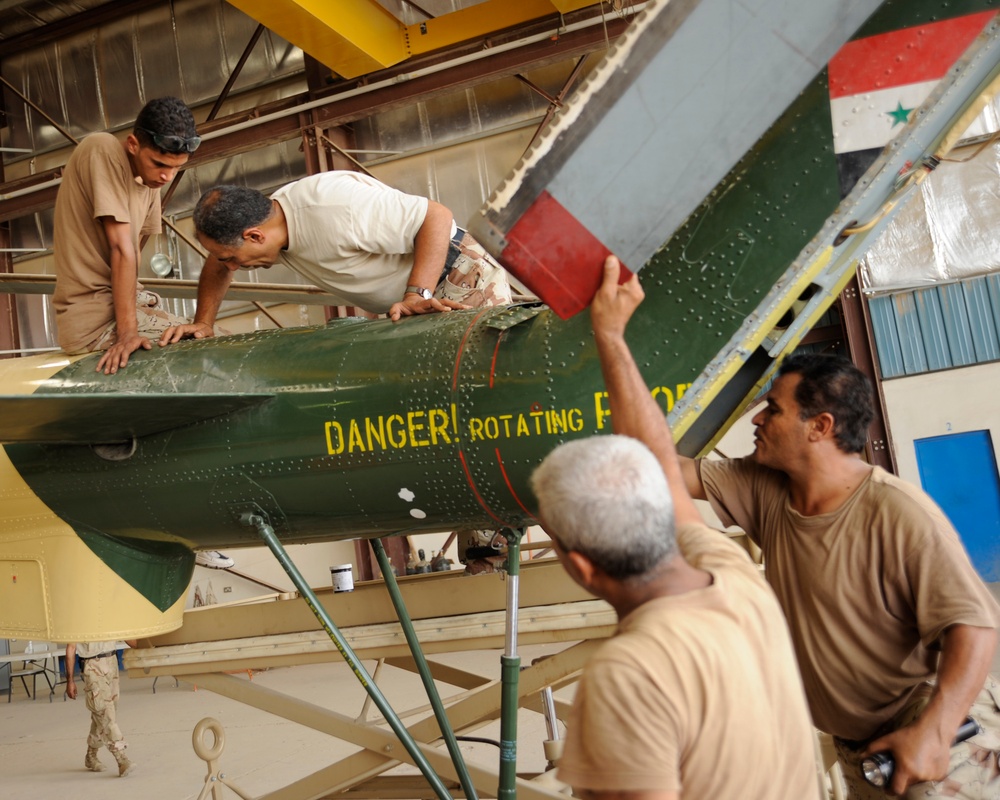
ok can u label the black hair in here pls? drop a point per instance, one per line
(166, 116)
(834, 385)
(224, 212)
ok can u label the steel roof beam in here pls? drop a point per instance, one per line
(279, 121)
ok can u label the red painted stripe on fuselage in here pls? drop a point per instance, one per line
(493, 361)
(461, 348)
(503, 471)
(475, 491)
(454, 387)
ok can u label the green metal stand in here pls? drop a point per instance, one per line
(260, 523)
(425, 674)
(510, 663)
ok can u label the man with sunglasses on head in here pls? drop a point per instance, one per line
(108, 199)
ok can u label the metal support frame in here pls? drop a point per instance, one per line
(510, 663)
(861, 344)
(471, 711)
(420, 78)
(38, 110)
(555, 103)
(259, 522)
(223, 96)
(283, 632)
(10, 337)
(425, 674)
(10, 340)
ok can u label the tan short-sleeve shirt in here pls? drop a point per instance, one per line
(696, 693)
(867, 589)
(97, 182)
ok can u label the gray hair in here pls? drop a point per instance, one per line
(607, 498)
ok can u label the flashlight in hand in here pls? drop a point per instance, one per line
(878, 767)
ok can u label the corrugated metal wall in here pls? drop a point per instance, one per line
(98, 79)
(453, 148)
(941, 327)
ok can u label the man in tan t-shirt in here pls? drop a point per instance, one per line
(893, 629)
(110, 197)
(697, 695)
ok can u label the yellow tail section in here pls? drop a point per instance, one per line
(52, 586)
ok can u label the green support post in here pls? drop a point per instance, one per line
(260, 523)
(510, 664)
(425, 674)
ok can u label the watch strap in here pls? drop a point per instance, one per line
(424, 293)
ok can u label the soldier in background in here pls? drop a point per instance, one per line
(99, 665)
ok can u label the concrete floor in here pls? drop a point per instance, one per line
(42, 744)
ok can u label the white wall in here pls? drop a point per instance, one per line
(940, 403)
(313, 561)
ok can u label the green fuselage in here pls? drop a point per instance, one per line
(435, 423)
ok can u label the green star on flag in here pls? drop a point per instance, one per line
(900, 115)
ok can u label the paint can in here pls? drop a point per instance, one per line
(342, 576)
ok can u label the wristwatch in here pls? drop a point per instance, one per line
(427, 294)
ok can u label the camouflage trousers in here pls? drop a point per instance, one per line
(974, 772)
(100, 683)
(152, 318)
(473, 277)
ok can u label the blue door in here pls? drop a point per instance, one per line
(960, 472)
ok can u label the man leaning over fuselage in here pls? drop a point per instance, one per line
(380, 249)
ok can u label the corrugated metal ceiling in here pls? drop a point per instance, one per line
(93, 71)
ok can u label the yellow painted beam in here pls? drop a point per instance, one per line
(355, 37)
(351, 37)
(723, 374)
(565, 6)
(484, 18)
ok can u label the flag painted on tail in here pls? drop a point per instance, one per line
(876, 83)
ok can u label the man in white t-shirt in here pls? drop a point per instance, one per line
(373, 246)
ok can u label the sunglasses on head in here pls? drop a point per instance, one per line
(173, 144)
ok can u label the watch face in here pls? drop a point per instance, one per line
(422, 292)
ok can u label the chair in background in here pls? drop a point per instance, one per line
(34, 664)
